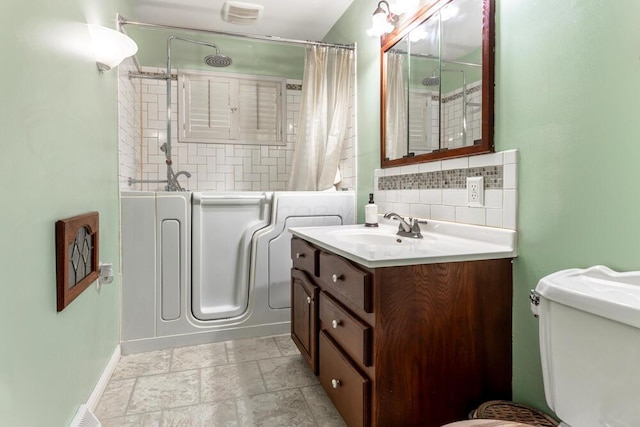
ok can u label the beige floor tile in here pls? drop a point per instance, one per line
(286, 372)
(322, 408)
(221, 414)
(115, 398)
(286, 408)
(151, 419)
(228, 381)
(198, 356)
(252, 349)
(149, 363)
(156, 392)
(286, 345)
(251, 382)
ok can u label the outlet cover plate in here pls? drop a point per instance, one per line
(475, 191)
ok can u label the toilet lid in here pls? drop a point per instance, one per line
(486, 423)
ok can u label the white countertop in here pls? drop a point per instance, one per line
(441, 242)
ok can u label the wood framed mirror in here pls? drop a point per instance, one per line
(437, 83)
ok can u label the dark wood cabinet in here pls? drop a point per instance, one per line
(304, 297)
(403, 346)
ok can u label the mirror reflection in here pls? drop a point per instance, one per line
(433, 77)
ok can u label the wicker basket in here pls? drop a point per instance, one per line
(510, 411)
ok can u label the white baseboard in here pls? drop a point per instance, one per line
(96, 394)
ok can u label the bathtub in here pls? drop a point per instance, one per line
(202, 267)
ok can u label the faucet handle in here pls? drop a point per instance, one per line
(415, 226)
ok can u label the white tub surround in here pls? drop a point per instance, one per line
(230, 280)
(213, 167)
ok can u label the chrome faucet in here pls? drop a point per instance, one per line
(406, 229)
(172, 180)
(185, 173)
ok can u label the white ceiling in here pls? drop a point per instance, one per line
(294, 19)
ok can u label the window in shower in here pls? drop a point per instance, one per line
(231, 108)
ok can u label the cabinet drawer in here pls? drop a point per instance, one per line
(353, 335)
(347, 280)
(304, 256)
(345, 385)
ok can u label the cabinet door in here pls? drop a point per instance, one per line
(304, 317)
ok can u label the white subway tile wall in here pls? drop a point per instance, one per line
(129, 130)
(213, 167)
(453, 106)
(449, 201)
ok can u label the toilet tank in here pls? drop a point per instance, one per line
(590, 346)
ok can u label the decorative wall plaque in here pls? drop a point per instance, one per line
(76, 256)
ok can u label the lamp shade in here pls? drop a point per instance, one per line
(379, 25)
(110, 47)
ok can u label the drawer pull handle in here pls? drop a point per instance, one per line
(299, 255)
(336, 323)
(335, 383)
(336, 277)
(308, 300)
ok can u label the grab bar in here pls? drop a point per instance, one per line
(132, 181)
(225, 199)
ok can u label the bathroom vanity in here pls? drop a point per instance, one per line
(397, 340)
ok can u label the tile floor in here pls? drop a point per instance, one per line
(254, 382)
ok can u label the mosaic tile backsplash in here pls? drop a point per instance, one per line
(455, 178)
(437, 190)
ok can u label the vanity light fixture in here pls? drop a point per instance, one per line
(110, 47)
(383, 21)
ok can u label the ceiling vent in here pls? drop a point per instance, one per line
(235, 12)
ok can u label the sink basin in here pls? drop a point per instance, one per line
(373, 236)
(441, 242)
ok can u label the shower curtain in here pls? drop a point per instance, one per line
(396, 107)
(324, 114)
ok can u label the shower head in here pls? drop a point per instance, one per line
(217, 60)
(434, 80)
(431, 81)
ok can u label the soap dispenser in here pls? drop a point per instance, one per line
(371, 213)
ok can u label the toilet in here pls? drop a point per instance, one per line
(589, 321)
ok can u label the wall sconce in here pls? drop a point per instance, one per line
(110, 47)
(382, 21)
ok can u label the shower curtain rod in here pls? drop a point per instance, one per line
(124, 21)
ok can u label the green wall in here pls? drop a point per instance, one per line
(249, 56)
(567, 96)
(58, 130)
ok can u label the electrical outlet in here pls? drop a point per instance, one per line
(475, 191)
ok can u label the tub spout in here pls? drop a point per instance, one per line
(172, 180)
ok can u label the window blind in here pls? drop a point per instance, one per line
(227, 108)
